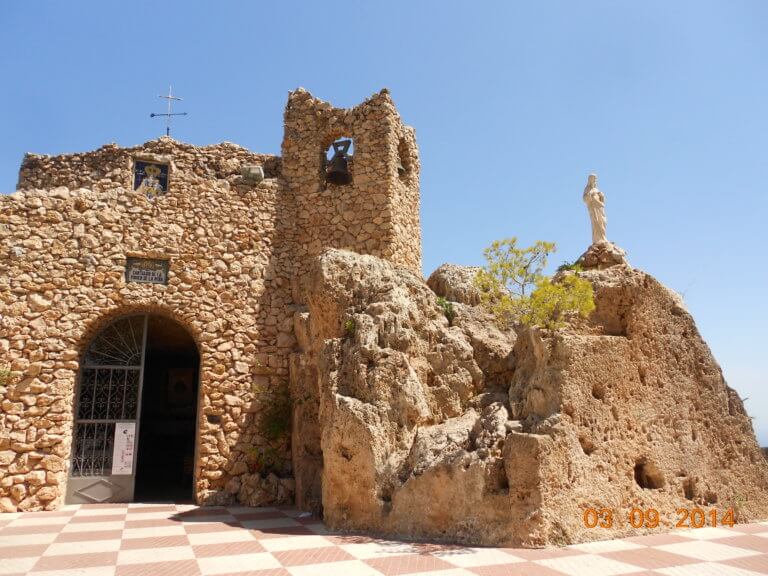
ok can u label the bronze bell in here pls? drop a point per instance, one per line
(337, 171)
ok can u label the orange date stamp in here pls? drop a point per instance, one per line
(650, 518)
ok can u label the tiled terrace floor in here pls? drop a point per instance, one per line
(182, 540)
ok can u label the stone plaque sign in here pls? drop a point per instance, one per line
(122, 453)
(146, 270)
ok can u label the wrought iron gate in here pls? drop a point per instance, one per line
(105, 439)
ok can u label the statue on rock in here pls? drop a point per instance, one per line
(595, 201)
(602, 253)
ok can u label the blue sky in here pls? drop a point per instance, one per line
(513, 104)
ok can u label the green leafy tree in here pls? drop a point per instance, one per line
(552, 301)
(515, 289)
(516, 269)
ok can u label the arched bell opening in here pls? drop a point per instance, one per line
(135, 414)
(338, 162)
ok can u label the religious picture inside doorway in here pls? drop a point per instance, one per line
(181, 388)
(150, 178)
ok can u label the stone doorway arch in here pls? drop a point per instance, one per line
(135, 415)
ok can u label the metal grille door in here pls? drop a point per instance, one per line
(107, 416)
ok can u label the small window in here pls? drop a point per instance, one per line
(403, 160)
(151, 178)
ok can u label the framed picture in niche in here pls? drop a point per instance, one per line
(181, 388)
(150, 178)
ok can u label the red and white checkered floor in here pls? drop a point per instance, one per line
(183, 540)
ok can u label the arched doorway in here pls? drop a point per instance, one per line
(135, 414)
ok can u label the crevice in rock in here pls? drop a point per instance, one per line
(587, 446)
(496, 481)
(689, 488)
(385, 497)
(647, 475)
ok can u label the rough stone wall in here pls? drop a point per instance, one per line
(378, 213)
(456, 431)
(110, 165)
(63, 253)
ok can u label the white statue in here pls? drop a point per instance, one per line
(595, 201)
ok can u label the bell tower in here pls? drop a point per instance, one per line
(365, 197)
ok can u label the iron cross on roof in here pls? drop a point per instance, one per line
(168, 114)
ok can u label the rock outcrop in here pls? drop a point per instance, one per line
(455, 283)
(603, 255)
(410, 425)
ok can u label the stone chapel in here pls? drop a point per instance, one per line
(148, 297)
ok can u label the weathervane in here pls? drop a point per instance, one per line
(168, 114)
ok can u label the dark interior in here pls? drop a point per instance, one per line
(166, 448)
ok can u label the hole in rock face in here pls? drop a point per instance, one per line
(385, 496)
(496, 481)
(647, 475)
(689, 488)
(598, 391)
(710, 498)
(587, 446)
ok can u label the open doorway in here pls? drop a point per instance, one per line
(139, 374)
(167, 427)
